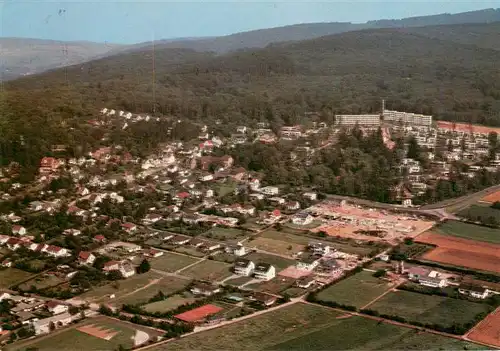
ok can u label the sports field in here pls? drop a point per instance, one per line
(357, 290)
(79, 337)
(171, 262)
(468, 231)
(428, 308)
(168, 304)
(167, 285)
(311, 327)
(209, 270)
(12, 276)
(461, 252)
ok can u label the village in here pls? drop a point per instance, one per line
(185, 239)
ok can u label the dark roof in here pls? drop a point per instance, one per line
(242, 262)
(472, 287)
(262, 267)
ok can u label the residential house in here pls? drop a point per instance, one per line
(55, 307)
(206, 177)
(264, 271)
(86, 258)
(263, 298)
(205, 289)
(433, 282)
(306, 282)
(270, 190)
(73, 232)
(292, 205)
(237, 250)
(154, 253)
(475, 291)
(129, 227)
(243, 267)
(100, 238)
(180, 240)
(254, 184)
(19, 230)
(415, 273)
(111, 266)
(152, 218)
(302, 218)
(308, 262)
(275, 200)
(319, 248)
(126, 269)
(56, 251)
(49, 165)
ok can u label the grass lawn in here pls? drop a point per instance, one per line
(121, 287)
(75, 340)
(223, 234)
(310, 327)
(189, 250)
(209, 270)
(225, 188)
(357, 290)
(428, 308)
(169, 304)
(278, 262)
(42, 282)
(171, 262)
(167, 285)
(468, 231)
(238, 281)
(12, 276)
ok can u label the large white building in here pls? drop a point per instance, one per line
(362, 120)
(407, 118)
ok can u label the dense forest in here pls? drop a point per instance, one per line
(344, 73)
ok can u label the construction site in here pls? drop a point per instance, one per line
(369, 224)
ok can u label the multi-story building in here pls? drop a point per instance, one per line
(362, 120)
(407, 118)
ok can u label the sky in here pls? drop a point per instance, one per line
(127, 21)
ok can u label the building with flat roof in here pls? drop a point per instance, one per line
(362, 120)
(407, 118)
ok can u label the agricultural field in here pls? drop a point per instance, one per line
(311, 327)
(431, 309)
(40, 282)
(92, 334)
(488, 330)
(122, 288)
(226, 234)
(168, 304)
(12, 276)
(209, 270)
(404, 251)
(273, 286)
(238, 281)
(167, 285)
(278, 262)
(468, 231)
(171, 262)
(357, 290)
(188, 250)
(481, 213)
(455, 251)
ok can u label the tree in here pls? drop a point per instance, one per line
(144, 267)
(73, 310)
(380, 273)
(115, 275)
(413, 148)
(52, 326)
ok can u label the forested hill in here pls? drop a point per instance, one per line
(263, 37)
(344, 73)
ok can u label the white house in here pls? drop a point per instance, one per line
(55, 307)
(20, 230)
(43, 325)
(473, 290)
(205, 289)
(310, 196)
(270, 190)
(308, 263)
(319, 248)
(243, 267)
(302, 218)
(86, 257)
(264, 271)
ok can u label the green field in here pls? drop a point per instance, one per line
(481, 213)
(357, 290)
(468, 231)
(428, 308)
(12, 276)
(169, 304)
(171, 262)
(121, 288)
(278, 262)
(223, 234)
(75, 340)
(42, 281)
(167, 285)
(209, 270)
(311, 327)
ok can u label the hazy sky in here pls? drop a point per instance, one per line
(125, 21)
